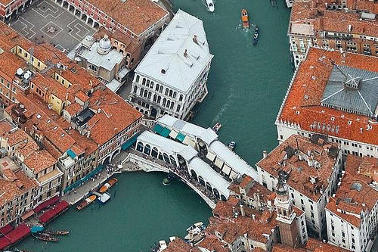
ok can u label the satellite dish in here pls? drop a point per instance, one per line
(19, 71)
(27, 75)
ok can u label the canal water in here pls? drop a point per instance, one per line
(246, 86)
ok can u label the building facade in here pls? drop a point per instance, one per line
(311, 168)
(349, 26)
(172, 77)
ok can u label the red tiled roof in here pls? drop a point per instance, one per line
(302, 104)
(39, 161)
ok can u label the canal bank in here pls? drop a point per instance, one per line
(246, 87)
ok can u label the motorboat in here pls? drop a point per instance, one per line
(232, 145)
(196, 225)
(210, 5)
(217, 127)
(86, 202)
(162, 245)
(107, 185)
(245, 18)
(256, 35)
(104, 198)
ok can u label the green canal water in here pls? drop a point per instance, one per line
(246, 86)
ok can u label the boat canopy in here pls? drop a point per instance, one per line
(4, 242)
(6, 229)
(36, 229)
(18, 233)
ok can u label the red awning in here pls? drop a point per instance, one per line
(45, 204)
(27, 215)
(49, 215)
(6, 229)
(4, 242)
(18, 233)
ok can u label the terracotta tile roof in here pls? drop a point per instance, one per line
(178, 245)
(284, 248)
(9, 190)
(73, 108)
(136, 15)
(314, 245)
(367, 166)
(39, 161)
(81, 96)
(302, 104)
(226, 209)
(6, 2)
(314, 12)
(353, 196)
(107, 122)
(212, 243)
(298, 156)
(10, 63)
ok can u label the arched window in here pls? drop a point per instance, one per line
(194, 174)
(135, 89)
(145, 93)
(172, 105)
(154, 152)
(209, 187)
(181, 97)
(152, 84)
(173, 161)
(166, 158)
(148, 83)
(161, 89)
(202, 182)
(170, 93)
(223, 197)
(168, 103)
(154, 99)
(174, 94)
(141, 92)
(158, 99)
(166, 91)
(160, 156)
(140, 146)
(216, 193)
(149, 95)
(157, 87)
(164, 101)
(147, 149)
(144, 81)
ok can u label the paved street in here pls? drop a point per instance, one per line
(45, 21)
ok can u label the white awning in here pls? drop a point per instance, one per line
(219, 162)
(173, 134)
(226, 169)
(210, 156)
(189, 141)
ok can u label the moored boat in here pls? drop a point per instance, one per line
(107, 185)
(104, 198)
(86, 202)
(45, 237)
(58, 232)
(256, 35)
(245, 18)
(217, 127)
(162, 245)
(210, 5)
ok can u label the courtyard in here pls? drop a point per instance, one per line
(46, 22)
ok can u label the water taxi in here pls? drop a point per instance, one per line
(256, 35)
(232, 145)
(104, 198)
(210, 5)
(86, 202)
(107, 185)
(58, 232)
(217, 127)
(245, 18)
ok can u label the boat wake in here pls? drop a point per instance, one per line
(225, 106)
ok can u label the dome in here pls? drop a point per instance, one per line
(104, 45)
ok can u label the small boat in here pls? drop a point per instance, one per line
(37, 229)
(256, 35)
(245, 18)
(104, 198)
(58, 232)
(217, 127)
(45, 237)
(107, 185)
(198, 225)
(162, 245)
(86, 202)
(232, 145)
(210, 5)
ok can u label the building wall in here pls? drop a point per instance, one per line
(285, 130)
(314, 211)
(147, 93)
